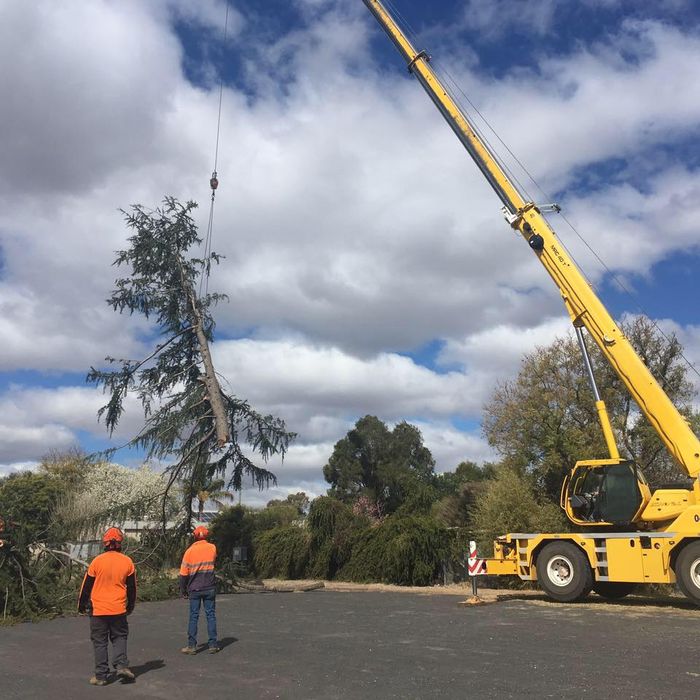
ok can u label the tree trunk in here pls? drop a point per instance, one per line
(212, 386)
(211, 383)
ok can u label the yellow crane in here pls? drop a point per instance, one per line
(627, 534)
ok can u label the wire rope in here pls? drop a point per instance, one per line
(213, 181)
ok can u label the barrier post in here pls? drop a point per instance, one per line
(476, 567)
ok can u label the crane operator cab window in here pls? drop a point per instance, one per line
(606, 494)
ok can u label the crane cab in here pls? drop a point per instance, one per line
(605, 492)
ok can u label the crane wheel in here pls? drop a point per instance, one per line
(688, 571)
(563, 572)
(613, 590)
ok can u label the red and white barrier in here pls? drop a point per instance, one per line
(476, 566)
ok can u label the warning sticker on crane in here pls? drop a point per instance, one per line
(476, 566)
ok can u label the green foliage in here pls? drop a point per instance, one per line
(233, 527)
(238, 526)
(35, 585)
(326, 515)
(275, 516)
(458, 492)
(508, 504)
(68, 467)
(387, 466)
(26, 504)
(203, 487)
(664, 358)
(334, 529)
(299, 501)
(402, 549)
(450, 483)
(455, 510)
(156, 551)
(282, 552)
(546, 419)
(33, 581)
(175, 383)
(156, 586)
(408, 551)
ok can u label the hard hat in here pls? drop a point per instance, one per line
(114, 534)
(201, 532)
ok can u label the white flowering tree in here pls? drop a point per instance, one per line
(110, 493)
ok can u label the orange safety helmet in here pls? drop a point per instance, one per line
(114, 534)
(201, 532)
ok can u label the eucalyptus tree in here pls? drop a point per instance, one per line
(189, 421)
(386, 468)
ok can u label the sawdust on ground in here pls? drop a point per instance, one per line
(635, 605)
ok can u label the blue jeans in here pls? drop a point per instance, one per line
(208, 599)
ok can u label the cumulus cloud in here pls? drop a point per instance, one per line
(301, 377)
(500, 348)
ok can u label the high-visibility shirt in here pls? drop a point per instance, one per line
(110, 584)
(197, 567)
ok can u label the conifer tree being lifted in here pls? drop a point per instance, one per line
(187, 415)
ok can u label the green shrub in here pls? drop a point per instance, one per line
(334, 531)
(36, 586)
(158, 586)
(232, 527)
(282, 552)
(404, 550)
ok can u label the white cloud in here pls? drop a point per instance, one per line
(7, 469)
(36, 420)
(499, 349)
(21, 442)
(302, 379)
(594, 104)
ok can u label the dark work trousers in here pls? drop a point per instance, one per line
(208, 599)
(113, 628)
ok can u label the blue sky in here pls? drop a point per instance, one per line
(368, 266)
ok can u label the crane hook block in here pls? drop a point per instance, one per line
(213, 183)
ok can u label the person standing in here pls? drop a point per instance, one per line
(108, 595)
(198, 584)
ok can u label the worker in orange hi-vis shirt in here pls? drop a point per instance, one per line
(198, 584)
(108, 595)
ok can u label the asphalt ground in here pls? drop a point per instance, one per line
(325, 644)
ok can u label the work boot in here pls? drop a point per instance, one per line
(213, 650)
(126, 674)
(97, 681)
(189, 650)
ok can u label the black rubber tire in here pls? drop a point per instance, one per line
(563, 572)
(688, 571)
(613, 590)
